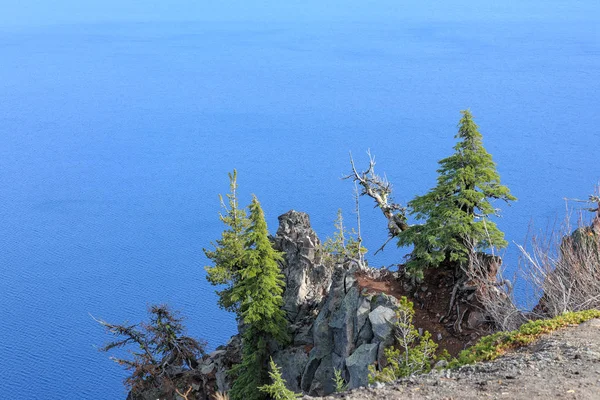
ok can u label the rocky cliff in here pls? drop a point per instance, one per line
(334, 324)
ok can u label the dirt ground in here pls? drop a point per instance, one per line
(561, 365)
(431, 301)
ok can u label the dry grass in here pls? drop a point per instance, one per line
(563, 266)
(494, 292)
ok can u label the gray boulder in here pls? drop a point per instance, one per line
(292, 362)
(358, 364)
(382, 323)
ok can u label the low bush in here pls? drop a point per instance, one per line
(413, 353)
(277, 389)
(493, 346)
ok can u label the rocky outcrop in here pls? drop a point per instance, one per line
(334, 324)
(307, 280)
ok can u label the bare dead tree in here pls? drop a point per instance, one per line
(160, 350)
(380, 190)
(495, 293)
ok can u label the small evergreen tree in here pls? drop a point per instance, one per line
(259, 288)
(345, 244)
(258, 292)
(277, 390)
(230, 249)
(413, 353)
(456, 213)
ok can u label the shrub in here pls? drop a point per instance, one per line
(564, 267)
(493, 346)
(413, 353)
(277, 389)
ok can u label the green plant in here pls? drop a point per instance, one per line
(493, 346)
(258, 293)
(413, 353)
(340, 383)
(345, 244)
(245, 261)
(251, 373)
(277, 389)
(229, 251)
(259, 287)
(456, 213)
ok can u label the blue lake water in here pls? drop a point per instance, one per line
(116, 138)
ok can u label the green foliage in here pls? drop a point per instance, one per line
(456, 213)
(230, 249)
(413, 354)
(277, 389)
(344, 245)
(246, 263)
(338, 380)
(493, 346)
(250, 374)
(260, 285)
(258, 294)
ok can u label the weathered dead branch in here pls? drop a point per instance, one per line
(380, 189)
(186, 394)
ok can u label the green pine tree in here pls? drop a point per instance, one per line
(456, 213)
(230, 249)
(277, 389)
(345, 244)
(258, 292)
(251, 373)
(260, 286)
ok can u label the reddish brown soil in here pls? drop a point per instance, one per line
(430, 306)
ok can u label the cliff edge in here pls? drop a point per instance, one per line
(564, 364)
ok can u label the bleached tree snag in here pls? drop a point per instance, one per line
(186, 394)
(361, 255)
(379, 189)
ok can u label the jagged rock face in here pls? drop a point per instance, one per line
(331, 319)
(307, 280)
(212, 376)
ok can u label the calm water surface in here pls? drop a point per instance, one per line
(115, 140)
